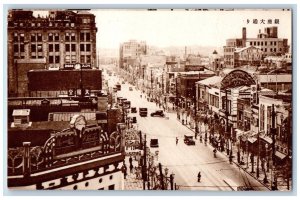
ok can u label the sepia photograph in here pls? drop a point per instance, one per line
(185, 99)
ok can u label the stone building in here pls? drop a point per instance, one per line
(57, 41)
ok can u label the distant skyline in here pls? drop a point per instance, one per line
(164, 28)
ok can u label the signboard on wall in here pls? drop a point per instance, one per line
(69, 66)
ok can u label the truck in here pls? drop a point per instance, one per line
(143, 112)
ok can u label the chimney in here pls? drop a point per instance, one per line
(244, 36)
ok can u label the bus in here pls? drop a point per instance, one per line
(126, 104)
(143, 112)
(118, 86)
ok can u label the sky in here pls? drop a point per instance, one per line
(164, 28)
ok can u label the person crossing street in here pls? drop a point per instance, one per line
(199, 177)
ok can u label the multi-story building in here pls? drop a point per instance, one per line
(130, 51)
(57, 41)
(268, 42)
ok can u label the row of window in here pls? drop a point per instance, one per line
(70, 59)
(37, 37)
(38, 47)
(261, 43)
(51, 24)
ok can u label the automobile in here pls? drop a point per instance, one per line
(130, 89)
(133, 120)
(123, 82)
(188, 140)
(159, 113)
(133, 110)
(154, 143)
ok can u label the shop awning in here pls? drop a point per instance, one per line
(252, 140)
(267, 139)
(280, 155)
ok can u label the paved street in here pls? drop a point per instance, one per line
(183, 160)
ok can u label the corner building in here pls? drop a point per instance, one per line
(59, 40)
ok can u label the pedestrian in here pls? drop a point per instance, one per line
(131, 168)
(176, 140)
(130, 160)
(199, 176)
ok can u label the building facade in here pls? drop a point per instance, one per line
(130, 51)
(268, 42)
(57, 41)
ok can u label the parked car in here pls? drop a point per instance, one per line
(133, 120)
(133, 110)
(154, 143)
(159, 113)
(188, 140)
(130, 89)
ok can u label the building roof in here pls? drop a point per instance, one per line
(21, 112)
(272, 78)
(84, 13)
(244, 48)
(211, 80)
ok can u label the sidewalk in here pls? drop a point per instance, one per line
(131, 182)
(281, 183)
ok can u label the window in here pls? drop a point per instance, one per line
(86, 20)
(73, 47)
(22, 37)
(39, 37)
(88, 47)
(266, 49)
(111, 187)
(33, 48)
(33, 38)
(82, 59)
(72, 24)
(274, 43)
(50, 47)
(250, 43)
(67, 47)
(88, 36)
(67, 37)
(33, 24)
(57, 59)
(274, 49)
(39, 48)
(81, 36)
(88, 59)
(73, 37)
(73, 59)
(271, 43)
(56, 47)
(50, 37)
(22, 50)
(81, 47)
(51, 59)
(68, 60)
(265, 43)
(16, 37)
(56, 37)
(254, 43)
(16, 48)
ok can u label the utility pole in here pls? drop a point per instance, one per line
(145, 164)
(289, 131)
(273, 132)
(195, 110)
(151, 83)
(258, 145)
(227, 126)
(161, 177)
